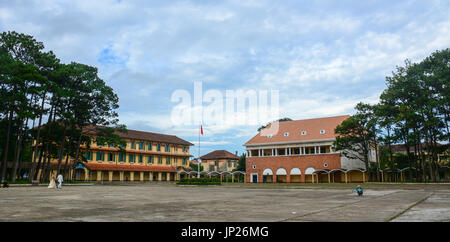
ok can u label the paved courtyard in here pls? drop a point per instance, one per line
(168, 202)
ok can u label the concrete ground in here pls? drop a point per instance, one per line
(258, 202)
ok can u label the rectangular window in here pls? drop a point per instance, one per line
(150, 146)
(141, 159)
(99, 156)
(168, 160)
(150, 160)
(159, 160)
(167, 148)
(111, 157)
(158, 147)
(323, 150)
(131, 158)
(141, 145)
(133, 145)
(120, 157)
(184, 161)
(111, 145)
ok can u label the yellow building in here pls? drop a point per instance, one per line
(148, 157)
(219, 160)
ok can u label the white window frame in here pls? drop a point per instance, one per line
(251, 177)
(304, 132)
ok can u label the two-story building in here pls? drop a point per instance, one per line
(147, 157)
(298, 151)
(219, 160)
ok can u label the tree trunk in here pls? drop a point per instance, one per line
(33, 166)
(46, 162)
(5, 153)
(17, 152)
(61, 149)
(41, 155)
(430, 162)
(77, 152)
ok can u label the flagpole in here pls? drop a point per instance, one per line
(198, 160)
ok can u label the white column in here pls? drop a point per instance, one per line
(273, 152)
(285, 151)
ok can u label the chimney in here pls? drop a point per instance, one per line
(236, 153)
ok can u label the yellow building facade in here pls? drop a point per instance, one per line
(219, 160)
(147, 157)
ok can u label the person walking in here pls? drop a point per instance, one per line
(60, 180)
(52, 182)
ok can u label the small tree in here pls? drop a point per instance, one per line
(195, 166)
(356, 135)
(241, 163)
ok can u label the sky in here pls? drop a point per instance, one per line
(322, 56)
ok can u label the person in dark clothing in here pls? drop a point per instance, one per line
(359, 190)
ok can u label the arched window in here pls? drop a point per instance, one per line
(281, 172)
(267, 172)
(296, 171)
(309, 171)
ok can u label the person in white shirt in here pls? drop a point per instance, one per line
(60, 180)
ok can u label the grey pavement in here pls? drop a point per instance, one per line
(168, 202)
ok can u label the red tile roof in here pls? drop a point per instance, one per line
(141, 135)
(295, 128)
(402, 148)
(220, 154)
(110, 167)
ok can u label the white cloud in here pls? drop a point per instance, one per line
(322, 57)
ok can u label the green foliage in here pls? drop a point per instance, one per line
(195, 166)
(200, 181)
(356, 135)
(241, 163)
(414, 111)
(35, 86)
(279, 120)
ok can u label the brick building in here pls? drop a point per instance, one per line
(301, 151)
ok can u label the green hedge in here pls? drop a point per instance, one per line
(200, 181)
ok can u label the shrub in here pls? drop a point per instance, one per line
(200, 181)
